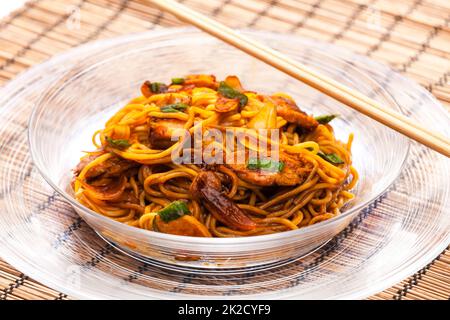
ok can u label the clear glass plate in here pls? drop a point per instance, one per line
(386, 241)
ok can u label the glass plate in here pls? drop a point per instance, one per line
(390, 239)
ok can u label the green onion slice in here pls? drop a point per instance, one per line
(118, 143)
(174, 107)
(158, 87)
(265, 165)
(173, 211)
(332, 158)
(229, 92)
(177, 80)
(324, 119)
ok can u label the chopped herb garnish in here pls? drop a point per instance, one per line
(324, 119)
(177, 80)
(229, 92)
(332, 157)
(265, 165)
(174, 211)
(174, 107)
(158, 87)
(118, 143)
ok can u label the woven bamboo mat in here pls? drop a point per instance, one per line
(413, 36)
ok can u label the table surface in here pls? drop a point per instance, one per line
(411, 36)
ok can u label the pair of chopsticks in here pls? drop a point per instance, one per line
(326, 85)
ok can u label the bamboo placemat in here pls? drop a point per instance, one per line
(412, 36)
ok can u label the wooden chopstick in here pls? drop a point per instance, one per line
(326, 85)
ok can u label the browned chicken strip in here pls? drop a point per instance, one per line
(172, 99)
(289, 111)
(201, 80)
(110, 168)
(161, 131)
(226, 105)
(294, 172)
(206, 188)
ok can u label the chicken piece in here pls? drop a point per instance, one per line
(206, 188)
(226, 105)
(294, 171)
(185, 88)
(162, 130)
(172, 98)
(183, 226)
(112, 167)
(289, 111)
(84, 162)
(201, 80)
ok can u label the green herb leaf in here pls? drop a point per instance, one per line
(229, 92)
(332, 157)
(265, 165)
(158, 87)
(177, 80)
(174, 211)
(118, 143)
(174, 107)
(324, 119)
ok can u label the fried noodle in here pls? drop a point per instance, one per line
(131, 176)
